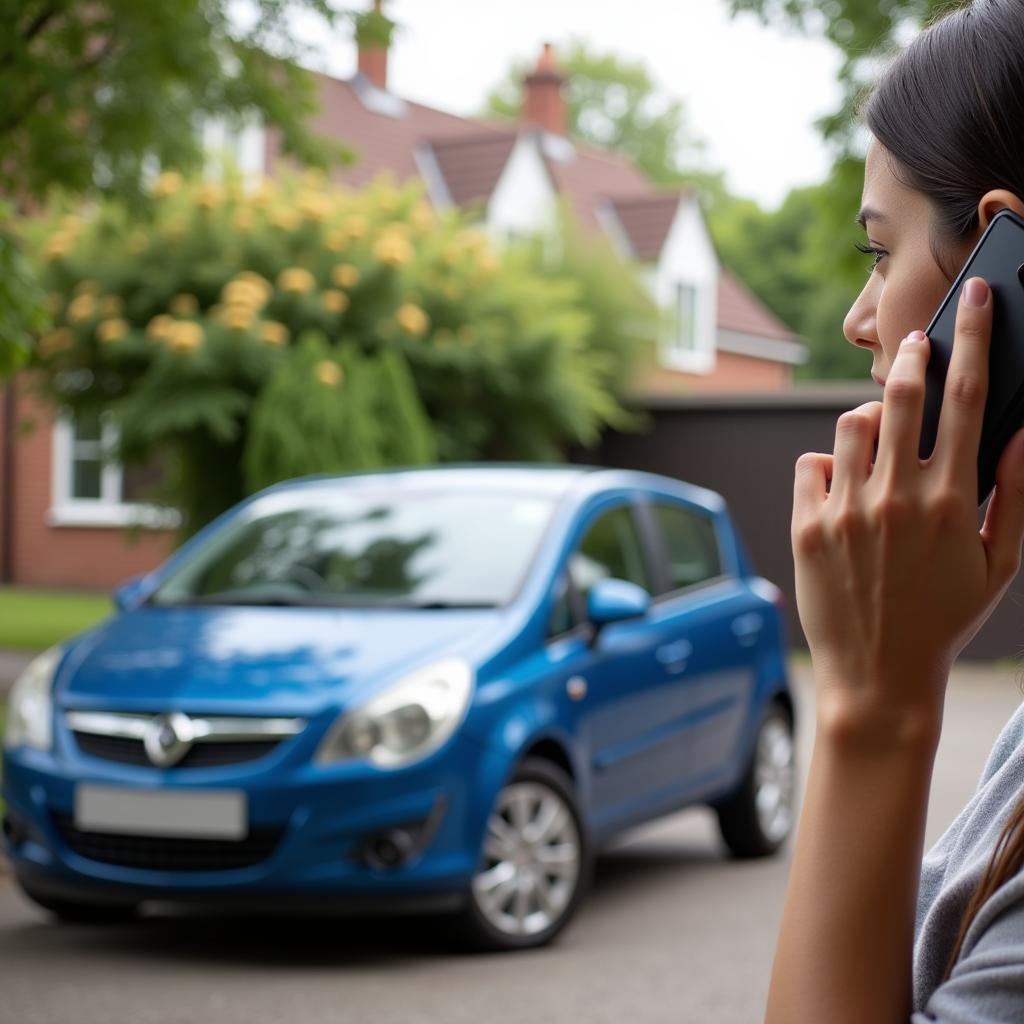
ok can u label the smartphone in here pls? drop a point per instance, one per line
(999, 259)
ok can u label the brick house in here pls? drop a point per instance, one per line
(64, 512)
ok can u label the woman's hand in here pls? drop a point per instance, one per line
(893, 577)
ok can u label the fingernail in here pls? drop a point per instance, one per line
(975, 292)
(915, 337)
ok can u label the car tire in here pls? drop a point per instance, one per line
(757, 818)
(73, 912)
(529, 884)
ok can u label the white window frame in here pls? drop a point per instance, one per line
(245, 144)
(700, 358)
(108, 509)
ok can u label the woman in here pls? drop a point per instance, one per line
(894, 578)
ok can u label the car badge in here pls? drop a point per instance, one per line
(168, 738)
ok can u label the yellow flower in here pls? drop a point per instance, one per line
(111, 305)
(185, 336)
(314, 177)
(273, 333)
(387, 199)
(244, 292)
(314, 206)
(335, 240)
(422, 215)
(451, 291)
(412, 319)
(334, 301)
(392, 248)
(297, 280)
(328, 373)
(208, 195)
(256, 281)
(356, 226)
(167, 184)
(345, 275)
(284, 218)
(238, 318)
(159, 328)
(81, 308)
(58, 246)
(184, 305)
(86, 288)
(136, 242)
(110, 331)
(264, 194)
(56, 341)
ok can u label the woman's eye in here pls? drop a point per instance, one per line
(870, 250)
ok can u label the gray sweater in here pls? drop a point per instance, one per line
(987, 983)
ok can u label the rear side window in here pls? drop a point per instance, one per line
(690, 544)
(611, 547)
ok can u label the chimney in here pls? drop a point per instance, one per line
(371, 28)
(543, 103)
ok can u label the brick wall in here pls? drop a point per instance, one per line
(93, 558)
(732, 373)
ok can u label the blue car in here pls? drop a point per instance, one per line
(429, 689)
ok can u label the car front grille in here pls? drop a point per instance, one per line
(203, 755)
(158, 853)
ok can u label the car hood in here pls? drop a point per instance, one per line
(276, 660)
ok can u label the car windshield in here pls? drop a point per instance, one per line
(421, 549)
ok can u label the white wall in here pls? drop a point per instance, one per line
(688, 256)
(523, 201)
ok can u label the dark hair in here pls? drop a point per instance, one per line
(949, 111)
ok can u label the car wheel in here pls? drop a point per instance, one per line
(535, 862)
(758, 817)
(72, 912)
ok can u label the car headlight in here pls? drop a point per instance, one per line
(406, 722)
(30, 705)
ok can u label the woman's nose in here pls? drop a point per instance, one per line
(859, 324)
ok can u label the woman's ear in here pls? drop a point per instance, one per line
(995, 200)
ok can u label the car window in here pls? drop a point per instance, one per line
(611, 547)
(394, 546)
(690, 545)
(563, 617)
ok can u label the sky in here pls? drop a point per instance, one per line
(751, 92)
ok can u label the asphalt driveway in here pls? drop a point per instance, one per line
(672, 932)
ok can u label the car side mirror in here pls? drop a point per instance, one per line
(130, 593)
(612, 600)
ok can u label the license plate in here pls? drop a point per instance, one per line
(196, 814)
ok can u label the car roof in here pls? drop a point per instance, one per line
(554, 479)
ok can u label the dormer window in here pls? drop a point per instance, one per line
(686, 317)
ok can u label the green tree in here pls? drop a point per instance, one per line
(95, 93)
(864, 30)
(614, 104)
(801, 262)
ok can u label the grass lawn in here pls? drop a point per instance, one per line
(32, 620)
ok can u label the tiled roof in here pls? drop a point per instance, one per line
(472, 164)
(741, 311)
(646, 220)
(470, 155)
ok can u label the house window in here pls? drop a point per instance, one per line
(239, 142)
(89, 487)
(685, 344)
(686, 317)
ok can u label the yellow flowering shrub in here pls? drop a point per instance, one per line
(250, 333)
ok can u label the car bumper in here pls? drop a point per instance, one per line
(314, 825)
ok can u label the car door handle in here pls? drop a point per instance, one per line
(674, 656)
(746, 628)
